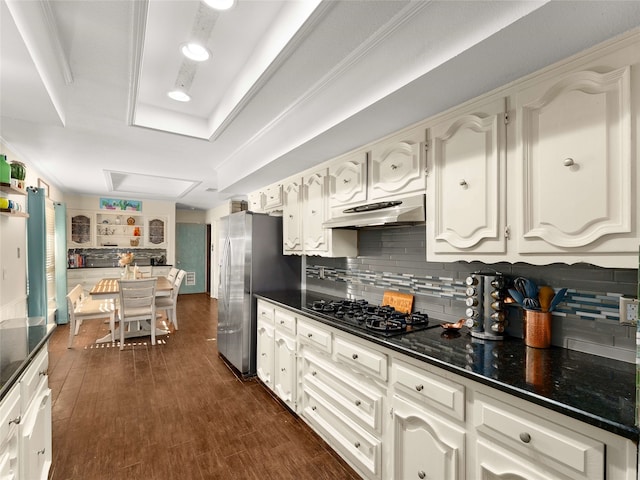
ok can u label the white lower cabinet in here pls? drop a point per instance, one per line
(394, 417)
(276, 363)
(424, 445)
(25, 424)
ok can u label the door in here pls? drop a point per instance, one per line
(191, 255)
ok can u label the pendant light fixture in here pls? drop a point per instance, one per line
(179, 96)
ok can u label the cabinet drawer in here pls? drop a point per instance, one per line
(346, 437)
(317, 337)
(285, 320)
(265, 312)
(31, 378)
(362, 404)
(428, 388)
(540, 440)
(362, 358)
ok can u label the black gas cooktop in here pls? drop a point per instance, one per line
(381, 320)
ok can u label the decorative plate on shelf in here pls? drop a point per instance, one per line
(131, 221)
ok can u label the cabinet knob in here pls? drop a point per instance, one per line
(354, 356)
(525, 437)
(281, 322)
(15, 420)
(463, 183)
(42, 373)
(394, 167)
(41, 452)
(309, 335)
(421, 474)
(356, 444)
(283, 369)
(313, 212)
(264, 354)
(358, 402)
(419, 387)
(346, 180)
(290, 216)
(314, 373)
(313, 408)
(568, 162)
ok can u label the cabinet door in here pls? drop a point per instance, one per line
(397, 165)
(9, 434)
(264, 353)
(348, 181)
(35, 451)
(574, 140)
(156, 232)
(285, 369)
(467, 183)
(256, 201)
(273, 197)
(314, 213)
(425, 447)
(291, 217)
(492, 462)
(80, 228)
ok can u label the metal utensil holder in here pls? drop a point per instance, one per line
(486, 316)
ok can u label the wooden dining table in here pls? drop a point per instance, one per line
(110, 288)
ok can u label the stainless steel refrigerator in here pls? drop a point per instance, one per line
(251, 261)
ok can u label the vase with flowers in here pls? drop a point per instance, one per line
(125, 259)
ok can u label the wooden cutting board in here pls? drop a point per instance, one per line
(402, 302)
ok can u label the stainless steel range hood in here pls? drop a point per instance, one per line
(409, 210)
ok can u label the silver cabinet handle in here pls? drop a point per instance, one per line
(358, 402)
(314, 373)
(283, 369)
(263, 354)
(419, 387)
(568, 162)
(394, 167)
(42, 373)
(357, 444)
(15, 420)
(281, 322)
(354, 356)
(313, 408)
(309, 335)
(41, 452)
(346, 180)
(421, 474)
(525, 437)
(463, 183)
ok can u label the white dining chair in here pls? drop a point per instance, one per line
(137, 304)
(173, 273)
(169, 303)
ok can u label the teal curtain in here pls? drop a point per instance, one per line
(36, 253)
(61, 263)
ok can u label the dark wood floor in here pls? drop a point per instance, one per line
(172, 411)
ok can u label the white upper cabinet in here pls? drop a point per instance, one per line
(574, 147)
(314, 208)
(466, 184)
(273, 197)
(576, 182)
(397, 165)
(255, 200)
(291, 217)
(348, 180)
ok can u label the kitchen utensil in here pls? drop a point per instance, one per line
(559, 296)
(517, 296)
(402, 302)
(529, 291)
(545, 295)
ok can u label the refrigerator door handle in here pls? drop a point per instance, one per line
(226, 259)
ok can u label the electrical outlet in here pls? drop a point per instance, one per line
(628, 311)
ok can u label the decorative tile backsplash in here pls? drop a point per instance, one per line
(394, 259)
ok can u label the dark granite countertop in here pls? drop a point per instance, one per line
(20, 340)
(593, 389)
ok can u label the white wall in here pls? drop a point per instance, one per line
(212, 217)
(13, 245)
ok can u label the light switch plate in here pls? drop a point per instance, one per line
(628, 311)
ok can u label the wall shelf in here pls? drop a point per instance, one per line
(8, 188)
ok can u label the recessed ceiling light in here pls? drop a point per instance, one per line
(220, 4)
(179, 96)
(195, 51)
